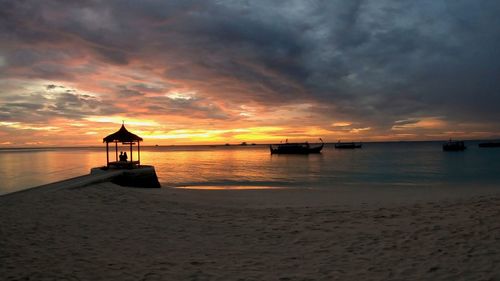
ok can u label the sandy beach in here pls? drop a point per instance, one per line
(107, 232)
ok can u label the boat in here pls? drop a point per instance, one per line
(296, 148)
(347, 145)
(489, 144)
(454, 146)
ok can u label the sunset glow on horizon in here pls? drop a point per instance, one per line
(216, 72)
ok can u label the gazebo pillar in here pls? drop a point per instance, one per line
(131, 159)
(107, 155)
(116, 151)
(139, 152)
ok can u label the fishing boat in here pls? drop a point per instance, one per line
(347, 145)
(489, 144)
(296, 148)
(454, 146)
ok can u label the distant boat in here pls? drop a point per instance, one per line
(296, 148)
(489, 144)
(347, 145)
(454, 146)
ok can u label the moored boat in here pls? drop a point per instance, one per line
(296, 148)
(454, 146)
(347, 145)
(489, 144)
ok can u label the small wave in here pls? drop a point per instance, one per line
(228, 184)
(229, 187)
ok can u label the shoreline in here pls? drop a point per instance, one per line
(422, 192)
(352, 195)
(103, 231)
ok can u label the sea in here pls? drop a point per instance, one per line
(394, 164)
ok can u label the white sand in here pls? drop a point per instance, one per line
(108, 232)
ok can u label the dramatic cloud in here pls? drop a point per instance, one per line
(342, 69)
(40, 107)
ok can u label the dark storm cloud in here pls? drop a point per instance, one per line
(372, 61)
(192, 107)
(128, 93)
(142, 87)
(76, 106)
(41, 106)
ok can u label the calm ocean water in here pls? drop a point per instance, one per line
(388, 164)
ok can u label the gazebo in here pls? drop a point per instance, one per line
(127, 138)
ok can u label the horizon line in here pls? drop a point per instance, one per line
(237, 144)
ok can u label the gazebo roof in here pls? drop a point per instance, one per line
(122, 135)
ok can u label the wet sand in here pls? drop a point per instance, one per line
(108, 232)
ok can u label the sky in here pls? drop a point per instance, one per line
(215, 72)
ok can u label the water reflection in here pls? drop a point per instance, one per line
(221, 166)
(24, 169)
(413, 164)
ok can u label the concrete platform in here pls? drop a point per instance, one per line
(143, 176)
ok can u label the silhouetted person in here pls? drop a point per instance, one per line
(121, 156)
(125, 157)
